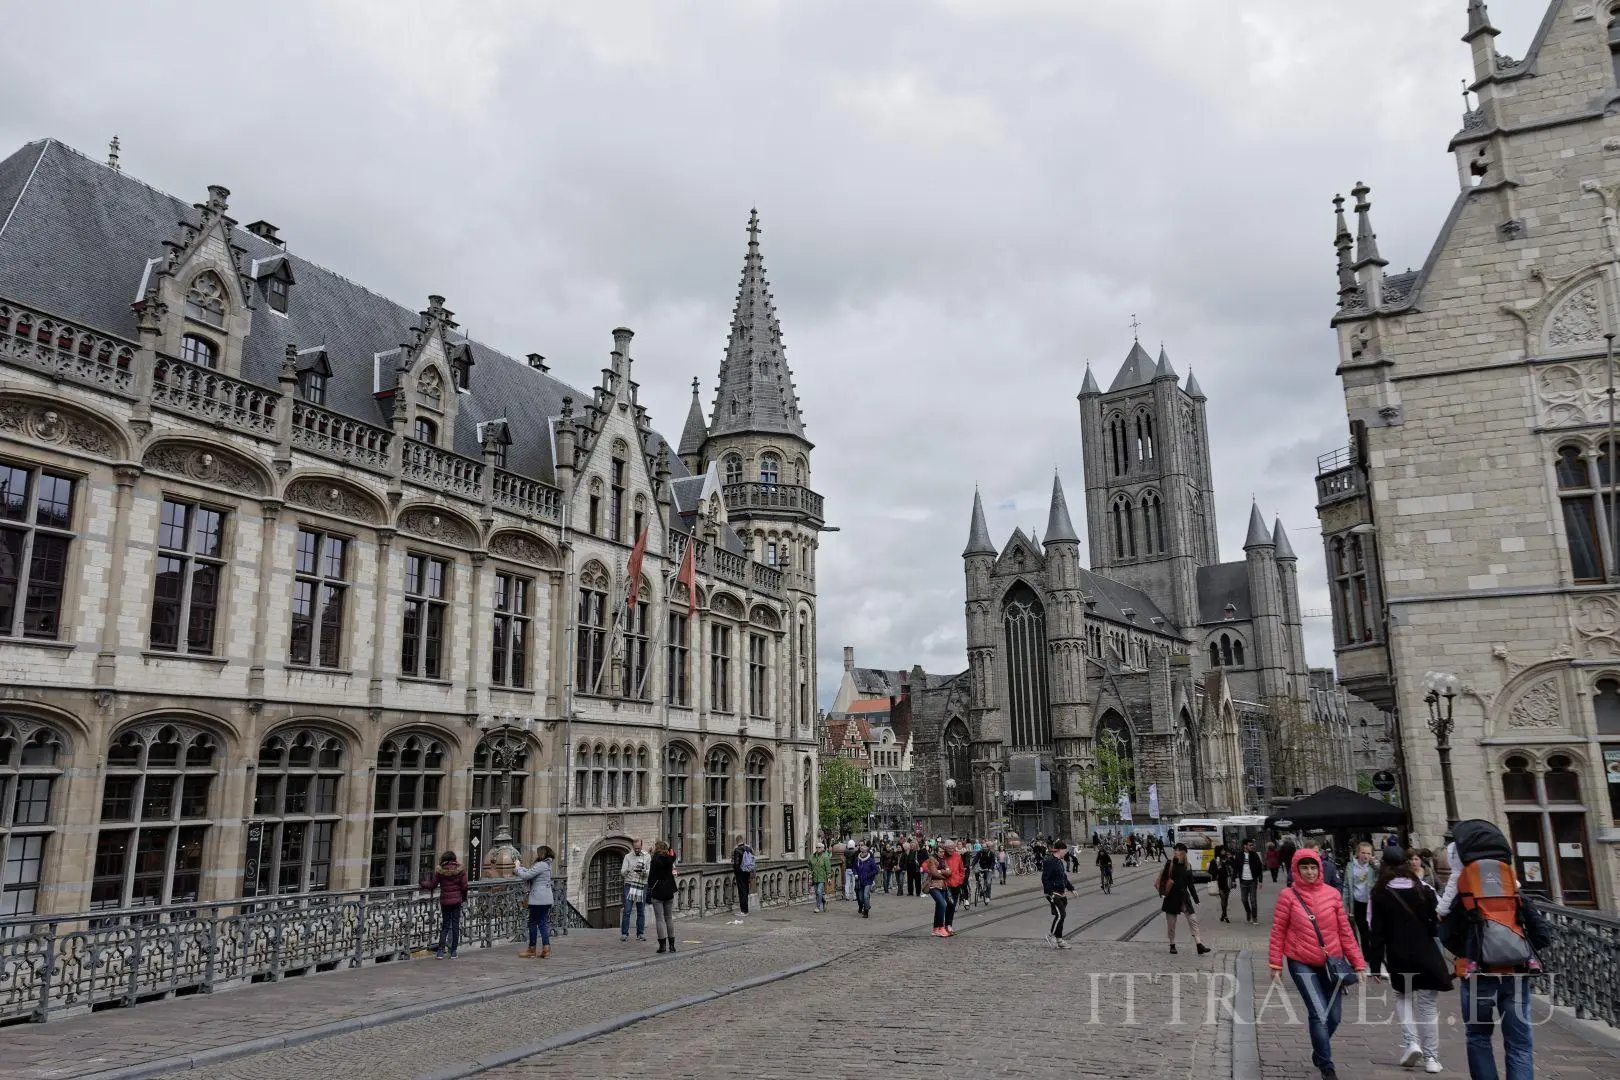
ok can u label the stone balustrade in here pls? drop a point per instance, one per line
(527, 497)
(728, 566)
(712, 890)
(205, 394)
(64, 351)
(441, 470)
(794, 497)
(329, 434)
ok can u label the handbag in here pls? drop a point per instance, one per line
(1435, 963)
(1338, 967)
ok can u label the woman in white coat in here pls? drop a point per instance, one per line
(540, 900)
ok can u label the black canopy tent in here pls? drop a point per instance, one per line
(1337, 807)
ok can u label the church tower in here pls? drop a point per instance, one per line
(755, 437)
(1150, 502)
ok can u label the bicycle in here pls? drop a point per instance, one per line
(1107, 880)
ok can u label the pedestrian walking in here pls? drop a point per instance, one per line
(938, 876)
(1400, 939)
(1057, 887)
(742, 870)
(1358, 888)
(866, 872)
(451, 881)
(1223, 868)
(1001, 862)
(889, 861)
(540, 900)
(956, 882)
(911, 869)
(1180, 898)
(848, 891)
(1105, 868)
(1311, 937)
(633, 869)
(820, 872)
(1250, 869)
(1285, 859)
(661, 894)
(1273, 860)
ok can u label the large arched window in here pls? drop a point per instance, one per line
(1024, 621)
(591, 638)
(1547, 828)
(582, 775)
(1113, 726)
(770, 469)
(154, 816)
(1118, 450)
(1153, 524)
(677, 796)
(1192, 778)
(756, 801)
(717, 768)
(295, 812)
(958, 763)
(1582, 477)
(30, 762)
(405, 810)
(1144, 437)
(491, 758)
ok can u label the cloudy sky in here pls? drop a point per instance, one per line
(963, 201)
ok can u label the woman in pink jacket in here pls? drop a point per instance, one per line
(1308, 926)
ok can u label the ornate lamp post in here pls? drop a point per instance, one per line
(507, 739)
(950, 797)
(1442, 694)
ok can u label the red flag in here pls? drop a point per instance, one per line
(637, 553)
(688, 575)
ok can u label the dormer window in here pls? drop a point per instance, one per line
(205, 300)
(499, 455)
(461, 362)
(426, 431)
(199, 351)
(312, 387)
(275, 290)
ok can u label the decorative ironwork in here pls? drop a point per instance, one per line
(1581, 962)
(331, 434)
(58, 964)
(64, 351)
(194, 390)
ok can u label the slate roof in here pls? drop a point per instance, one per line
(885, 684)
(1219, 585)
(1137, 370)
(75, 240)
(754, 374)
(1113, 598)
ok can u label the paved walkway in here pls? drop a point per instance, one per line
(786, 990)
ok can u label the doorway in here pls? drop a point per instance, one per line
(604, 888)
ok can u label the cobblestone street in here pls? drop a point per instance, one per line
(770, 998)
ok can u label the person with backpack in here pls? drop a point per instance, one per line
(742, 869)
(1180, 897)
(451, 881)
(1311, 939)
(956, 882)
(1400, 939)
(540, 900)
(1493, 931)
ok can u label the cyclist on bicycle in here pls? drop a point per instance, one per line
(984, 865)
(1105, 866)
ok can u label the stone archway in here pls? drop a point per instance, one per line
(604, 887)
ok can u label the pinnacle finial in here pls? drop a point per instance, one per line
(1479, 21)
(1135, 328)
(1259, 536)
(112, 155)
(753, 227)
(1088, 388)
(1059, 528)
(1366, 239)
(978, 532)
(1342, 243)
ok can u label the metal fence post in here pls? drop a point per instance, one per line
(50, 974)
(359, 934)
(211, 970)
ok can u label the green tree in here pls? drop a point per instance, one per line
(846, 801)
(1110, 775)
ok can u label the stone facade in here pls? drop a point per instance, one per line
(278, 556)
(1465, 525)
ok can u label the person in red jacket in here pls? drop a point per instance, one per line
(1309, 925)
(956, 881)
(451, 881)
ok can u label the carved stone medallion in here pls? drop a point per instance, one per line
(1537, 707)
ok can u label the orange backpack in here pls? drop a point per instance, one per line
(1494, 939)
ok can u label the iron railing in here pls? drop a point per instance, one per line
(52, 965)
(1582, 961)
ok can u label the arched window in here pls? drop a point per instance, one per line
(1120, 514)
(493, 755)
(613, 776)
(643, 774)
(1547, 829)
(959, 763)
(1581, 480)
(598, 774)
(1118, 450)
(590, 645)
(1024, 622)
(1144, 438)
(1113, 726)
(405, 810)
(199, 351)
(1192, 774)
(430, 389)
(1215, 654)
(1518, 782)
(770, 469)
(1237, 652)
(756, 801)
(205, 300)
(582, 775)
(30, 763)
(425, 431)
(734, 468)
(717, 804)
(677, 798)
(154, 816)
(1606, 707)
(295, 812)
(1563, 783)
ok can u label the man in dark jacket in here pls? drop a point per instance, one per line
(911, 869)
(1055, 884)
(1250, 867)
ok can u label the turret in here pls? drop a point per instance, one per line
(1293, 619)
(1065, 619)
(693, 435)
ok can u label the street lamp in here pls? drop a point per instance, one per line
(1442, 694)
(950, 797)
(507, 739)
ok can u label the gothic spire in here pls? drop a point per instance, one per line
(1059, 529)
(1259, 536)
(1279, 540)
(756, 391)
(1366, 239)
(1342, 243)
(696, 430)
(979, 533)
(1137, 370)
(1164, 370)
(1194, 391)
(1089, 387)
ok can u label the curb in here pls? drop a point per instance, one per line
(1245, 1036)
(1593, 1032)
(624, 1020)
(231, 1051)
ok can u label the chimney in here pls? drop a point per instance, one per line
(849, 658)
(266, 231)
(538, 362)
